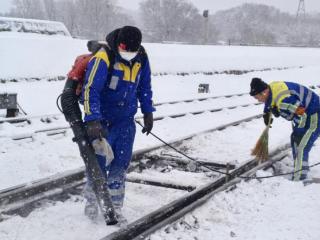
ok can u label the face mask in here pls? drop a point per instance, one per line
(128, 55)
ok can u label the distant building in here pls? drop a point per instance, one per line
(33, 26)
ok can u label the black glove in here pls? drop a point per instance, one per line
(147, 122)
(266, 117)
(275, 111)
(95, 130)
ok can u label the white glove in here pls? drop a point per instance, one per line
(103, 148)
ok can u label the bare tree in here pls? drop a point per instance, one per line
(96, 17)
(28, 9)
(171, 20)
(67, 13)
(152, 19)
(50, 9)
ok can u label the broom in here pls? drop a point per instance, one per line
(261, 150)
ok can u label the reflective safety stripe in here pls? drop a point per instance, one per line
(87, 87)
(100, 55)
(301, 95)
(303, 120)
(301, 92)
(304, 141)
(280, 96)
(116, 186)
(308, 99)
(284, 94)
(290, 107)
(116, 192)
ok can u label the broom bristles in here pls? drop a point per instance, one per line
(260, 150)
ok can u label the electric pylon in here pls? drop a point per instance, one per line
(301, 12)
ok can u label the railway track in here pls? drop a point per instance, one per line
(46, 116)
(229, 72)
(22, 199)
(59, 126)
(146, 225)
(13, 199)
(62, 128)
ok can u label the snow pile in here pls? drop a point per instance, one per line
(33, 26)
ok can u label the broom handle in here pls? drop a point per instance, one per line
(269, 121)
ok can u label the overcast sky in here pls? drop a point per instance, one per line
(215, 5)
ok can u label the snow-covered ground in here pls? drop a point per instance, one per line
(268, 209)
(271, 209)
(38, 56)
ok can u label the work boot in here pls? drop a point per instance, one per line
(122, 221)
(91, 210)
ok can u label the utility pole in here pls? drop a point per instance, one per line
(301, 12)
(206, 25)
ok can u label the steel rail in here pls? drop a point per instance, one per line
(62, 129)
(201, 99)
(26, 118)
(180, 73)
(29, 118)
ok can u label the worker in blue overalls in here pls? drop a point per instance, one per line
(117, 77)
(297, 104)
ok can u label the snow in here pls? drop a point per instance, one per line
(67, 221)
(37, 157)
(35, 55)
(268, 209)
(39, 56)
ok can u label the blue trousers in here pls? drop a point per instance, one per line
(302, 141)
(120, 136)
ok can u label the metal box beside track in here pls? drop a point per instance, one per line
(9, 101)
(203, 88)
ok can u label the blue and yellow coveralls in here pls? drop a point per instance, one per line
(300, 105)
(112, 97)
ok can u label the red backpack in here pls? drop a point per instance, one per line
(78, 71)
